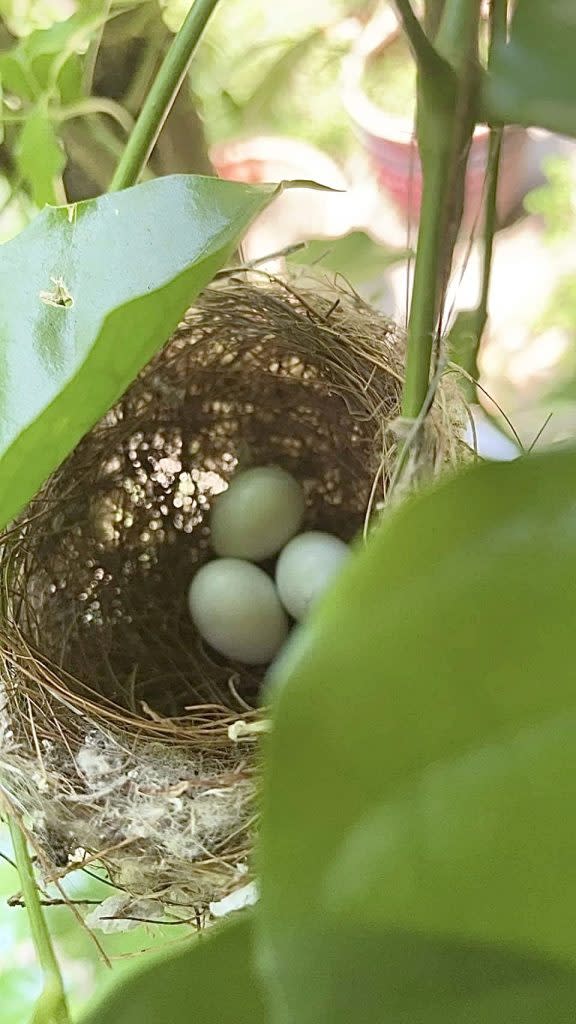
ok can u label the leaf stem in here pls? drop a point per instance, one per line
(162, 95)
(52, 1006)
(95, 105)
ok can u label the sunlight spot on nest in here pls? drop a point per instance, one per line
(209, 481)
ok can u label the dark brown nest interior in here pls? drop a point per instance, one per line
(97, 639)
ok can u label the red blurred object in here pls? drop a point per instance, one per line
(274, 158)
(389, 140)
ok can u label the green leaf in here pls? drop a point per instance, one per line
(531, 77)
(47, 58)
(463, 342)
(89, 293)
(16, 76)
(40, 159)
(554, 201)
(354, 255)
(211, 981)
(422, 765)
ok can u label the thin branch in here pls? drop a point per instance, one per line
(15, 902)
(541, 431)
(8, 860)
(96, 105)
(159, 100)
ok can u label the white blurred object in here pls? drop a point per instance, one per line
(487, 440)
(295, 215)
(123, 914)
(247, 896)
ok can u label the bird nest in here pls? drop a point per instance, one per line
(121, 737)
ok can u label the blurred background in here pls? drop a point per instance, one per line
(323, 91)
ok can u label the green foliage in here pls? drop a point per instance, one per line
(40, 159)
(462, 344)
(90, 292)
(425, 822)
(24, 16)
(555, 200)
(531, 76)
(291, 60)
(42, 80)
(212, 982)
(355, 255)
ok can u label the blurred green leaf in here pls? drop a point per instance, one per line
(212, 982)
(356, 256)
(425, 823)
(278, 77)
(531, 77)
(16, 76)
(462, 343)
(40, 159)
(90, 292)
(70, 80)
(47, 58)
(555, 200)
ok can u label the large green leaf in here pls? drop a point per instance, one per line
(422, 767)
(89, 293)
(210, 982)
(531, 78)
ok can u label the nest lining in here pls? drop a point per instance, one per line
(116, 715)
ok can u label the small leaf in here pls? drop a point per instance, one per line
(40, 159)
(16, 76)
(212, 981)
(354, 255)
(462, 343)
(531, 77)
(425, 822)
(90, 292)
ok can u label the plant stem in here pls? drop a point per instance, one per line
(445, 122)
(424, 303)
(466, 354)
(425, 54)
(433, 10)
(498, 19)
(52, 1006)
(162, 95)
(490, 220)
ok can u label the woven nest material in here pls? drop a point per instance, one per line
(116, 716)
